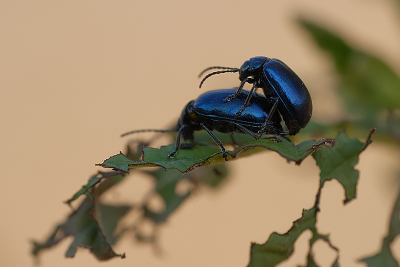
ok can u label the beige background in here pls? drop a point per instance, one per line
(74, 75)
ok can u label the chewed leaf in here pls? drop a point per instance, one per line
(185, 158)
(284, 147)
(188, 159)
(280, 247)
(338, 162)
(119, 162)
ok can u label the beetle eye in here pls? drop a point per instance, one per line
(243, 75)
(189, 107)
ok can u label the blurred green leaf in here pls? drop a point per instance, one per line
(211, 176)
(338, 162)
(385, 256)
(366, 83)
(166, 183)
(84, 226)
(85, 189)
(113, 179)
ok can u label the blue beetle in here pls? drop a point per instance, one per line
(209, 112)
(279, 83)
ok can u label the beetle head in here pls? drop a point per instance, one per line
(188, 115)
(252, 67)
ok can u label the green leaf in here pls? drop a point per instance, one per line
(366, 83)
(385, 256)
(188, 159)
(119, 162)
(279, 247)
(338, 162)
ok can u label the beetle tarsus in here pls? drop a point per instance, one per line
(239, 113)
(172, 154)
(229, 98)
(225, 155)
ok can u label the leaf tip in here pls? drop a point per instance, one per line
(347, 200)
(369, 138)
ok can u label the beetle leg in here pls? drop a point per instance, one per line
(224, 155)
(244, 129)
(247, 101)
(271, 112)
(178, 142)
(239, 90)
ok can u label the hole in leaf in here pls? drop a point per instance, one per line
(131, 218)
(324, 255)
(395, 247)
(156, 204)
(299, 256)
(183, 187)
(146, 232)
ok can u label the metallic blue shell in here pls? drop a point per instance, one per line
(211, 106)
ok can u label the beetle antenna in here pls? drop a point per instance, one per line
(148, 130)
(215, 67)
(217, 72)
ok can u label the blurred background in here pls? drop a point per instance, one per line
(76, 75)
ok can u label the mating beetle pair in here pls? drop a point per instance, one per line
(209, 112)
(237, 110)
